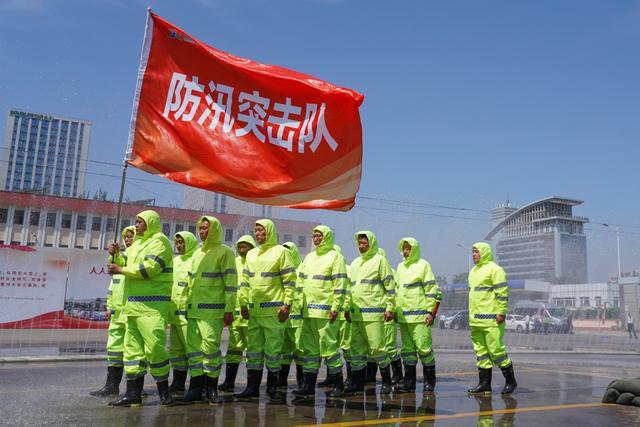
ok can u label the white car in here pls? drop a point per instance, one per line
(516, 323)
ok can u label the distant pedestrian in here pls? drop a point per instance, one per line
(630, 326)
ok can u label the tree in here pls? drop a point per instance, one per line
(460, 278)
(441, 280)
(101, 195)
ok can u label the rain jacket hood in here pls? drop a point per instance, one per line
(270, 228)
(246, 239)
(373, 244)
(190, 243)
(486, 253)
(215, 231)
(152, 219)
(338, 249)
(132, 229)
(327, 239)
(414, 254)
(295, 254)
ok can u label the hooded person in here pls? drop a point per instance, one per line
(237, 344)
(488, 304)
(185, 244)
(117, 322)
(373, 302)
(292, 346)
(417, 298)
(210, 307)
(324, 282)
(148, 280)
(266, 295)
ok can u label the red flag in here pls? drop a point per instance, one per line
(257, 132)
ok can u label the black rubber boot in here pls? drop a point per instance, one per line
(229, 377)
(177, 384)
(484, 383)
(429, 373)
(299, 376)
(165, 395)
(409, 385)
(357, 383)
(254, 378)
(194, 394)
(133, 396)
(327, 381)
(372, 369)
(347, 381)
(211, 393)
(283, 377)
(338, 385)
(112, 386)
(272, 386)
(387, 387)
(309, 388)
(396, 368)
(510, 384)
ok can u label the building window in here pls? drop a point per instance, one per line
(66, 221)
(81, 223)
(192, 229)
(111, 224)
(34, 218)
(616, 302)
(4, 213)
(288, 237)
(18, 217)
(51, 219)
(598, 301)
(584, 301)
(302, 241)
(96, 224)
(166, 228)
(228, 235)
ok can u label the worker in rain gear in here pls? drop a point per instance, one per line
(266, 295)
(210, 307)
(373, 302)
(391, 341)
(238, 330)
(417, 298)
(292, 346)
(324, 277)
(117, 323)
(344, 332)
(488, 302)
(185, 244)
(148, 280)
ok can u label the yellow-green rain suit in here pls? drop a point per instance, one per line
(372, 293)
(292, 346)
(488, 296)
(148, 280)
(324, 277)
(179, 295)
(214, 285)
(344, 328)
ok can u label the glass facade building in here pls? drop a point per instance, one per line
(44, 154)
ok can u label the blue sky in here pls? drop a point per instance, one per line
(467, 103)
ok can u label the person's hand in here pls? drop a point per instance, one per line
(347, 316)
(114, 269)
(228, 318)
(283, 314)
(388, 316)
(108, 316)
(428, 319)
(500, 318)
(244, 311)
(332, 316)
(113, 249)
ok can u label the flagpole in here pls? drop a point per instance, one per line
(125, 164)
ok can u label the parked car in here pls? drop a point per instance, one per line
(515, 322)
(458, 320)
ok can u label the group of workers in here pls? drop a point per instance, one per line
(280, 311)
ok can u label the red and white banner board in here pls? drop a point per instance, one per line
(257, 132)
(35, 283)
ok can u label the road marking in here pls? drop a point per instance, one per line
(555, 371)
(460, 415)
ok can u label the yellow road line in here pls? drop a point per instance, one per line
(460, 415)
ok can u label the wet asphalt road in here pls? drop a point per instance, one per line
(554, 390)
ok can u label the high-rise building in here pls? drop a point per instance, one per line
(542, 241)
(44, 154)
(208, 201)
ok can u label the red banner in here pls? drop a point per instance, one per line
(257, 132)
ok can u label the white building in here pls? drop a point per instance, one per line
(584, 295)
(203, 200)
(44, 153)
